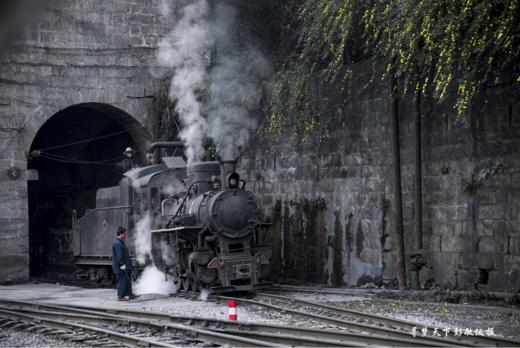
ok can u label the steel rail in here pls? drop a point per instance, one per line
(348, 338)
(247, 328)
(192, 332)
(397, 323)
(331, 291)
(58, 324)
(371, 329)
(367, 316)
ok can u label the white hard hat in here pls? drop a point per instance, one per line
(129, 150)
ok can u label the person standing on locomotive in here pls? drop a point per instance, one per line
(130, 162)
(122, 266)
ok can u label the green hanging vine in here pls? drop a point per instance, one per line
(451, 47)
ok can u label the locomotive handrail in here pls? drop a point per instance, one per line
(74, 218)
(91, 211)
(164, 201)
(184, 199)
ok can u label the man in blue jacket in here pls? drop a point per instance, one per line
(122, 266)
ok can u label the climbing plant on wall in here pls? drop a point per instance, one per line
(439, 48)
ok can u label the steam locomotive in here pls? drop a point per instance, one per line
(204, 226)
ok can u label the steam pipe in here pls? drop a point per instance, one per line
(184, 199)
(165, 144)
(200, 237)
(161, 145)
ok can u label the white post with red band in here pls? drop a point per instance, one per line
(232, 305)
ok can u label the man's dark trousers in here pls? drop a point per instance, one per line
(124, 287)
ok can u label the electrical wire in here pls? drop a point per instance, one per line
(119, 158)
(90, 140)
(73, 161)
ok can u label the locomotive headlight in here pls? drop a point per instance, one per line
(233, 180)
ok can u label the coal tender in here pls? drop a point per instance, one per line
(211, 232)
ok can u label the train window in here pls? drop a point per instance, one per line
(154, 197)
(144, 200)
(236, 247)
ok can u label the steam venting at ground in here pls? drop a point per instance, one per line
(153, 281)
(217, 80)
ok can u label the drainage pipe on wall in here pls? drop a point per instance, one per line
(398, 200)
(417, 260)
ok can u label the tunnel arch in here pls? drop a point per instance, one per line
(75, 152)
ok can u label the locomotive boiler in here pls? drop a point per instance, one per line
(211, 232)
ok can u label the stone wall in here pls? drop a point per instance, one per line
(332, 200)
(329, 201)
(73, 52)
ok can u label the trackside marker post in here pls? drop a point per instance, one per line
(232, 305)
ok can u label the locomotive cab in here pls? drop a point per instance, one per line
(138, 194)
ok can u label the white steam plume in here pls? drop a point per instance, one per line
(217, 78)
(187, 51)
(143, 239)
(153, 281)
(236, 84)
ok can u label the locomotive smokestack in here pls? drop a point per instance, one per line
(227, 167)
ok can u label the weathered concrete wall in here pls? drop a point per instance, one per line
(88, 51)
(334, 199)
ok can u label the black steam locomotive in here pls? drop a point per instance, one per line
(204, 226)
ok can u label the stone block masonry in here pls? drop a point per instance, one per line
(471, 221)
(329, 199)
(73, 52)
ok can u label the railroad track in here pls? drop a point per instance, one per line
(280, 334)
(216, 331)
(103, 325)
(365, 323)
(97, 324)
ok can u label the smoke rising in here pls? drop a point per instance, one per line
(187, 51)
(218, 77)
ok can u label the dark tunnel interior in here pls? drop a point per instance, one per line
(77, 151)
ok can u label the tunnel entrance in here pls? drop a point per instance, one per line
(75, 152)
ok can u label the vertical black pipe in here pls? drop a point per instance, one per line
(415, 267)
(398, 202)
